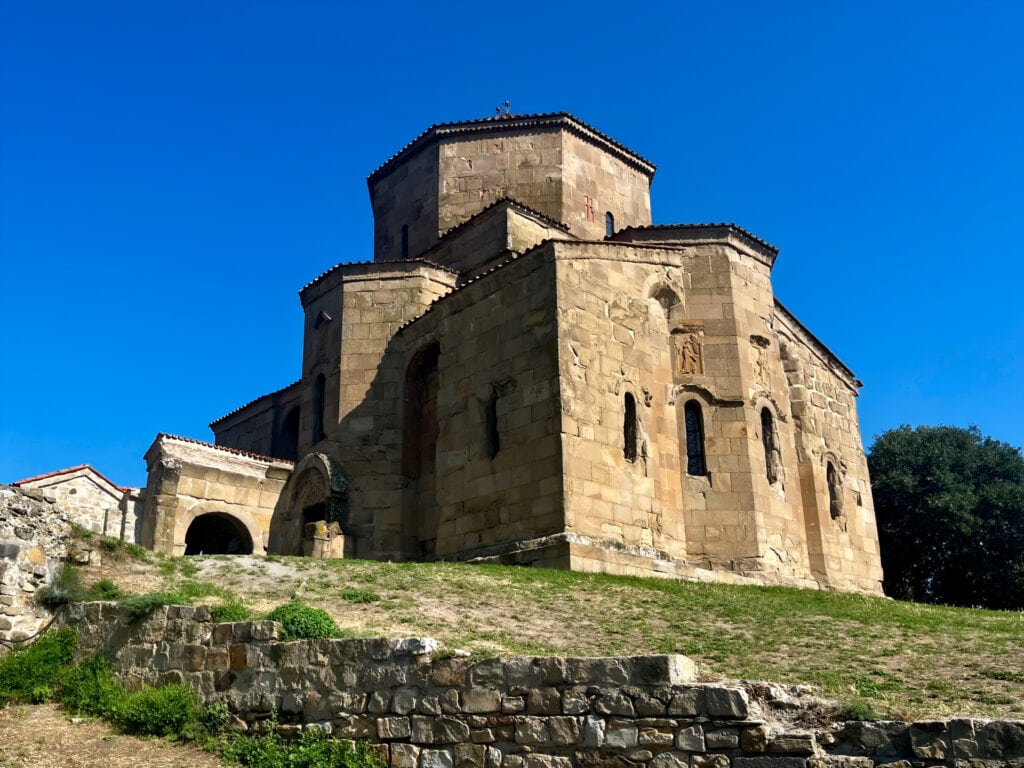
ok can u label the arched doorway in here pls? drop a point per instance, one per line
(217, 533)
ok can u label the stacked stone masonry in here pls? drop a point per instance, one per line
(34, 535)
(426, 711)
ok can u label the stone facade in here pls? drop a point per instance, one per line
(204, 499)
(423, 711)
(92, 501)
(530, 371)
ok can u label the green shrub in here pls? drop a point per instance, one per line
(301, 622)
(89, 688)
(174, 710)
(65, 588)
(29, 674)
(311, 750)
(857, 710)
(104, 589)
(120, 548)
(231, 610)
(356, 595)
(140, 606)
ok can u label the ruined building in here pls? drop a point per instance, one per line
(530, 371)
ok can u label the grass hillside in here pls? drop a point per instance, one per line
(898, 659)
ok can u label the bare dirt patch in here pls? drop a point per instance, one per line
(42, 735)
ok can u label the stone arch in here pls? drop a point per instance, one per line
(240, 520)
(420, 432)
(316, 491)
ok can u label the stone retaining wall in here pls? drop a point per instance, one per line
(430, 712)
(34, 536)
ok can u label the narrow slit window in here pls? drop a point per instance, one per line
(835, 504)
(493, 437)
(609, 224)
(696, 463)
(319, 392)
(405, 241)
(772, 457)
(629, 430)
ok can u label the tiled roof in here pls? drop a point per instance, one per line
(254, 400)
(68, 471)
(514, 122)
(495, 204)
(322, 275)
(722, 225)
(237, 452)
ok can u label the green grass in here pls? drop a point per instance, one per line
(871, 654)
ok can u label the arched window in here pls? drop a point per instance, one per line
(405, 241)
(609, 224)
(696, 463)
(835, 504)
(319, 392)
(629, 431)
(769, 439)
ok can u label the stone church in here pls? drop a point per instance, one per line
(529, 371)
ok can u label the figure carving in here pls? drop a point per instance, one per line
(689, 348)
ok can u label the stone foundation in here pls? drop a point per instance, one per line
(425, 711)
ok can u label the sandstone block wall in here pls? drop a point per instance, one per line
(90, 500)
(498, 458)
(267, 426)
(428, 712)
(189, 480)
(823, 402)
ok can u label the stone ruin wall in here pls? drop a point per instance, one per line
(424, 711)
(34, 534)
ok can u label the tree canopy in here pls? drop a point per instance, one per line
(950, 510)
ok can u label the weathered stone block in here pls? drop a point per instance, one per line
(564, 730)
(544, 701)
(721, 701)
(436, 758)
(393, 728)
(614, 702)
(793, 744)
(481, 700)
(686, 702)
(404, 756)
(621, 738)
(450, 730)
(754, 739)
(929, 740)
(470, 756)
(597, 759)
(690, 739)
(769, 762)
(709, 761)
(532, 730)
(670, 760)
(726, 738)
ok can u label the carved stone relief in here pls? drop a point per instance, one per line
(688, 351)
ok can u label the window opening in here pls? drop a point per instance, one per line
(405, 241)
(319, 388)
(493, 438)
(629, 428)
(696, 463)
(609, 224)
(835, 505)
(772, 456)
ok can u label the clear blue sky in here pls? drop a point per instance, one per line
(171, 173)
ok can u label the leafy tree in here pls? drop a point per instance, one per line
(950, 509)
